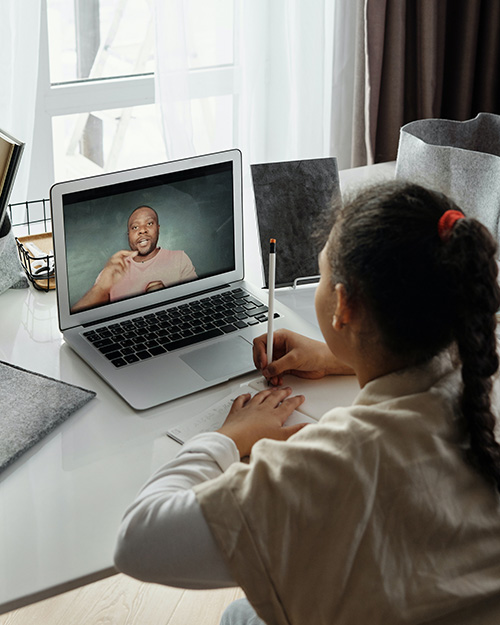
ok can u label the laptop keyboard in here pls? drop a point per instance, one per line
(156, 333)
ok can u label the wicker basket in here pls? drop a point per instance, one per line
(31, 225)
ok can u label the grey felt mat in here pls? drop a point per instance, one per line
(32, 405)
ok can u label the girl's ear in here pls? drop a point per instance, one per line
(343, 310)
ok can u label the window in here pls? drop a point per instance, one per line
(97, 109)
(256, 75)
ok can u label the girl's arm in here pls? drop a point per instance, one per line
(164, 537)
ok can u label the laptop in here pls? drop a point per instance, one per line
(150, 278)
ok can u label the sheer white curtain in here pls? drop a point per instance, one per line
(291, 80)
(285, 65)
(343, 115)
(172, 77)
(19, 48)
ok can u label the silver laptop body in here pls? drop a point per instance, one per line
(199, 206)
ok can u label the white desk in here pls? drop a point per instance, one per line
(61, 502)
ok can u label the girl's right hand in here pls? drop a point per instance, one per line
(297, 355)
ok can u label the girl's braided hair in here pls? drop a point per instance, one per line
(426, 291)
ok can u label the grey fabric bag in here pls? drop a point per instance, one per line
(461, 159)
(11, 273)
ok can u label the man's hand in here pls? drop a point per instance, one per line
(112, 272)
(114, 269)
(156, 285)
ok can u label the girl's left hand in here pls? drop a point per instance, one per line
(261, 416)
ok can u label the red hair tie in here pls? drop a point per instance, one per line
(447, 221)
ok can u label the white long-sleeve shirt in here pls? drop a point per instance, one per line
(373, 510)
(164, 537)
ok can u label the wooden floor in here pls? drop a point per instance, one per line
(120, 600)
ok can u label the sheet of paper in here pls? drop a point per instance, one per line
(321, 396)
(212, 418)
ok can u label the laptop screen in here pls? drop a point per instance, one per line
(126, 238)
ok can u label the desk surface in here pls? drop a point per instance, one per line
(62, 501)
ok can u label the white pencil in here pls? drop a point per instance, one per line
(270, 312)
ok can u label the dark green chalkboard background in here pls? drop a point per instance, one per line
(194, 216)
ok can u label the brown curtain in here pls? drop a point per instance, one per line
(417, 59)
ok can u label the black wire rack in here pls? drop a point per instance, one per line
(32, 228)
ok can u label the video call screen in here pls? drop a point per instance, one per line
(195, 216)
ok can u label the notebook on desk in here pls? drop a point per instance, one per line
(185, 318)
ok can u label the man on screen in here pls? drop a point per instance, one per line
(144, 268)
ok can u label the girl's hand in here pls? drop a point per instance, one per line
(298, 355)
(261, 416)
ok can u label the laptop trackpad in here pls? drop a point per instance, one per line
(221, 360)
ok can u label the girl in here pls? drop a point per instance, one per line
(387, 511)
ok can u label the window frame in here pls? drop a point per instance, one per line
(87, 96)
